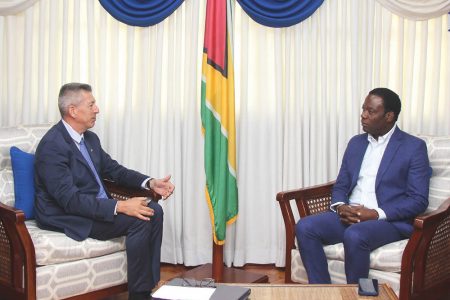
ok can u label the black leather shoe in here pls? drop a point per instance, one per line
(139, 296)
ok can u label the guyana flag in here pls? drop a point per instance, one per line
(218, 123)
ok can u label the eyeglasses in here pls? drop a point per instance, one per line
(205, 282)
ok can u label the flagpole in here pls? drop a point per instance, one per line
(218, 125)
(217, 263)
(223, 274)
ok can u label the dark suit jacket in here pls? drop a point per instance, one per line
(66, 188)
(402, 180)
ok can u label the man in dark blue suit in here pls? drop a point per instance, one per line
(381, 187)
(71, 198)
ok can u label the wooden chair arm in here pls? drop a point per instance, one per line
(309, 201)
(123, 193)
(425, 266)
(17, 256)
(434, 217)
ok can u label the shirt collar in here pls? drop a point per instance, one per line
(73, 134)
(382, 139)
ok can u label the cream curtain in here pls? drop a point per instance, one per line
(299, 92)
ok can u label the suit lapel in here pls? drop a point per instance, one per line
(389, 153)
(359, 156)
(73, 146)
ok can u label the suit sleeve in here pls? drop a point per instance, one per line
(414, 198)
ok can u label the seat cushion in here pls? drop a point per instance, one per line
(386, 258)
(55, 247)
(60, 281)
(336, 268)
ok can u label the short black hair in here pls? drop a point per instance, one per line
(391, 101)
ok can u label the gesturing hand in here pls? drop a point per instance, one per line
(135, 207)
(162, 186)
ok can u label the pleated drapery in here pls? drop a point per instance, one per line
(417, 10)
(275, 13)
(140, 13)
(12, 7)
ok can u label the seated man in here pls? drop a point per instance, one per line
(381, 187)
(71, 197)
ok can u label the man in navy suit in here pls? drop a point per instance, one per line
(71, 198)
(381, 187)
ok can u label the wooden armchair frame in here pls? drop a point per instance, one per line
(425, 268)
(17, 253)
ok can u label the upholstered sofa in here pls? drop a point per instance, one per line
(416, 268)
(41, 264)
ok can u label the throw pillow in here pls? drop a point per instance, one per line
(23, 172)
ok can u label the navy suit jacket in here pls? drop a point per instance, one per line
(66, 188)
(402, 181)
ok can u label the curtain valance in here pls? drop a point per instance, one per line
(12, 7)
(417, 9)
(140, 13)
(276, 13)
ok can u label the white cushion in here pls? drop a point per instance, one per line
(65, 280)
(439, 155)
(386, 258)
(336, 268)
(55, 247)
(7, 187)
(25, 137)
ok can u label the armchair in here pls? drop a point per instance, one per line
(417, 268)
(41, 264)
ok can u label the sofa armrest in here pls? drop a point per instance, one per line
(17, 253)
(309, 201)
(123, 193)
(425, 269)
(17, 256)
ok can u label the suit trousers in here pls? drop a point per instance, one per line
(143, 246)
(359, 239)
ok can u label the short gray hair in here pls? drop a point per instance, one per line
(68, 95)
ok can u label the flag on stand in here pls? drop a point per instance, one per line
(218, 120)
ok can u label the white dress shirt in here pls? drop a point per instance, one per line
(364, 191)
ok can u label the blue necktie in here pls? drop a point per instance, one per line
(101, 193)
